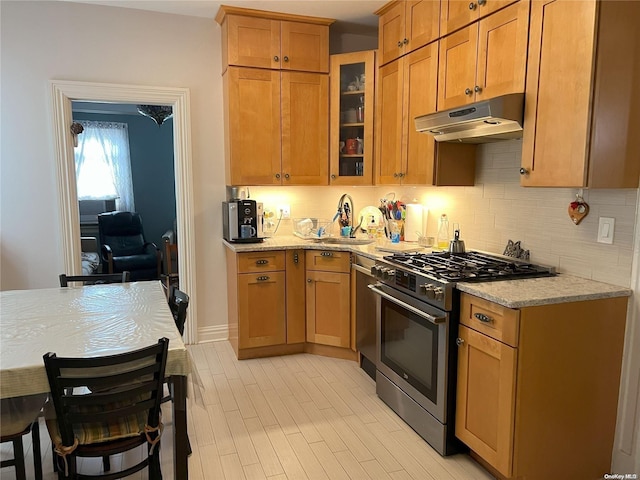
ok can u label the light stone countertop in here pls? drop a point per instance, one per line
(562, 288)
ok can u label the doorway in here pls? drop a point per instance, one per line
(63, 93)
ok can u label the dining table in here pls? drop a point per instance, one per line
(91, 321)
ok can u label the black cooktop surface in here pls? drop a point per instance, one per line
(468, 266)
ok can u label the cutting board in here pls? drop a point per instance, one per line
(399, 247)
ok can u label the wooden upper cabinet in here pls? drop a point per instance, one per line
(305, 128)
(407, 89)
(582, 108)
(405, 26)
(261, 39)
(455, 14)
(252, 126)
(486, 59)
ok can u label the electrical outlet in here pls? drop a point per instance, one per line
(605, 229)
(285, 211)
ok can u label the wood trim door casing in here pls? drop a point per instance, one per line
(63, 92)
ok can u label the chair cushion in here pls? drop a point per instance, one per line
(135, 262)
(125, 427)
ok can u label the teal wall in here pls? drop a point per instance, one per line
(152, 169)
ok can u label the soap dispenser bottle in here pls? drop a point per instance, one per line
(443, 233)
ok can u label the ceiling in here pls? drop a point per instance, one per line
(351, 15)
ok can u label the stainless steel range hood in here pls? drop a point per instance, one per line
(498, 118)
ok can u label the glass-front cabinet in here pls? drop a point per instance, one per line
(352, 113)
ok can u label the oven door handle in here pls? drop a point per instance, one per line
(420, 313)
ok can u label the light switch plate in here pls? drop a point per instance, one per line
(605, 229)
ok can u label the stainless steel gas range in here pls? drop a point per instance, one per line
(417, 320)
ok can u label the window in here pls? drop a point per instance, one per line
(103, 165)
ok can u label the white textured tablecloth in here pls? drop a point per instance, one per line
(86, 321)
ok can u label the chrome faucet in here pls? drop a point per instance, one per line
(345, 212)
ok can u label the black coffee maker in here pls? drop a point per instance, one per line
(242, 221)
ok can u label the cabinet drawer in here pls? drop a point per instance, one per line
(496, 321)
(251, 262)
(328, 261)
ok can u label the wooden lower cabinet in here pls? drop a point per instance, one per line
(329, 298)
(266, 302)
(537, 388)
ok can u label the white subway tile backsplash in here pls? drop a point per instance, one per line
(498, 209)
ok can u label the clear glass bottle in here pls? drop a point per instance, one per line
(443, 233)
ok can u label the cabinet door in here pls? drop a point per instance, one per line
(252, 42)
(305, 47)
(455, 14)
(328, 308)
(296, 296)
(502, 52)
(486, 398)
(352, 112)
(558, 97)
(261, 311)
(391, 33)
(305, 128)
(457, 68)
(389, 137)
(422, 24)
(420, 81)
(252, 125)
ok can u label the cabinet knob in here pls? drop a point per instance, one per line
(262, 278)
(262, 262)
(308, 280)
(472, 6)
(401, 175)
(524, 171)
(326, 254)
(276, 58)
(468, 91)
(395, 175)
(285, 58)
(286, 175)
(333, 176)
(405, 41)
(482, 2)
(399, 43)
(459, 341)
(477, 89)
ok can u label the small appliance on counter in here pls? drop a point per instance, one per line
(242, 221)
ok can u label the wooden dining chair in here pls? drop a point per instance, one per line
(97, 279)
(19, 417)
(104, 406)
(178, 303)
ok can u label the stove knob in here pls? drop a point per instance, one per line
(439, 293)
(388, 273)
(374, 270)
(429, 291)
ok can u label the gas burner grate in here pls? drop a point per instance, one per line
(468, 266)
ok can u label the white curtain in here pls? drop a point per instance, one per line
(103, 164)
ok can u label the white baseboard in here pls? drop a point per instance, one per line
(212, 334)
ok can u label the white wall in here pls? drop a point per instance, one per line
(41, 41)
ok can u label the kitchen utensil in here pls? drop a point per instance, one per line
(456, 245)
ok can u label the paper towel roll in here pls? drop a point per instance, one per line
(413, 222)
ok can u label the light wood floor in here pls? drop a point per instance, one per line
(288, 418)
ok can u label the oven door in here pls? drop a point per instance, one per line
(412, 347)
